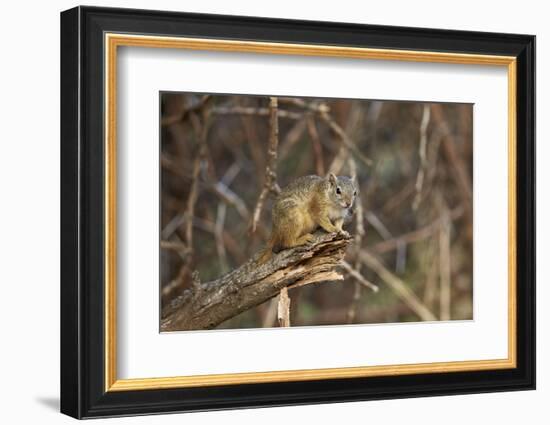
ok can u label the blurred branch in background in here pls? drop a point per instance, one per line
(222, 161)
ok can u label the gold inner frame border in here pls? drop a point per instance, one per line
(112, 41)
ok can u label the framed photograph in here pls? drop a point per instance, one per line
(261, 212)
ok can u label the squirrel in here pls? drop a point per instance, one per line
(306, 204)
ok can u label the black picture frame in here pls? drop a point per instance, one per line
(83, 392)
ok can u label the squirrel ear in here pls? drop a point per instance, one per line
(332, 179)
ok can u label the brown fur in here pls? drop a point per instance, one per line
(306, 204)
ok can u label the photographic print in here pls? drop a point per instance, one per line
(289, 211)
(320, 199)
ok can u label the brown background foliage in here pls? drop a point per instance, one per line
(414, 212)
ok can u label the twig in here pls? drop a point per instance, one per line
(231, 173)
(359, 233)
(316, 145)
(323, 112)
(315, 106)
(200, 130)
(292, 137)
(179, 116)
(224, 193)
(339, 160)
(230, 243)
(175, 246)
(430, 288)
(344, 138)
(231, 198)
(169, 288)
(416, 235)
(169, 165)
(352, 309)
(250, 127)
(359, 215)
(359, 277)
(397, 286)
(183, 252)
(375, 222)
(445, 266)
(283, 308)
(397, 199)
(462, 177)
(400, 257)
(176, 283)
(244, 110)
(330, 276)
(220, 246)
(422, 154)
(401, 248)
(270, 180)
(270, 314)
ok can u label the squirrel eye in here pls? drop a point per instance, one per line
(355, 193)
(338, 191)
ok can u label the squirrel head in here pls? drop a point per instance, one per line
(342, 190)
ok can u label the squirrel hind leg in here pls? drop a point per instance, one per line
(288, 230)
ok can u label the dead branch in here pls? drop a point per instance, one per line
(445, 265)
(207, 305)
(218, 234)
(283, 308)
(352, 309)
(244, 110)
(397, 285)
(292, 137)
(422, 154)
(460, 171)
(314, 106)
(416, 235)
(175, 246)
(229, 241)
(270, 181)
(270, 313)
(323, 111)
(185, 110)
(359, 277)
(201, 131)
(431, 286)
(397, 199)
(355, 271)
(339, 131)
(359, 214)
(230, 198)
(316, 145)
(378, 225)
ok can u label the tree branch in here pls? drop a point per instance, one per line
(207, 305)
(270, 181)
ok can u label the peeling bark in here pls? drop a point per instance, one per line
(209, 304)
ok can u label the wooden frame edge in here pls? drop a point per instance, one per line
(137, 384)
(114, 40)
